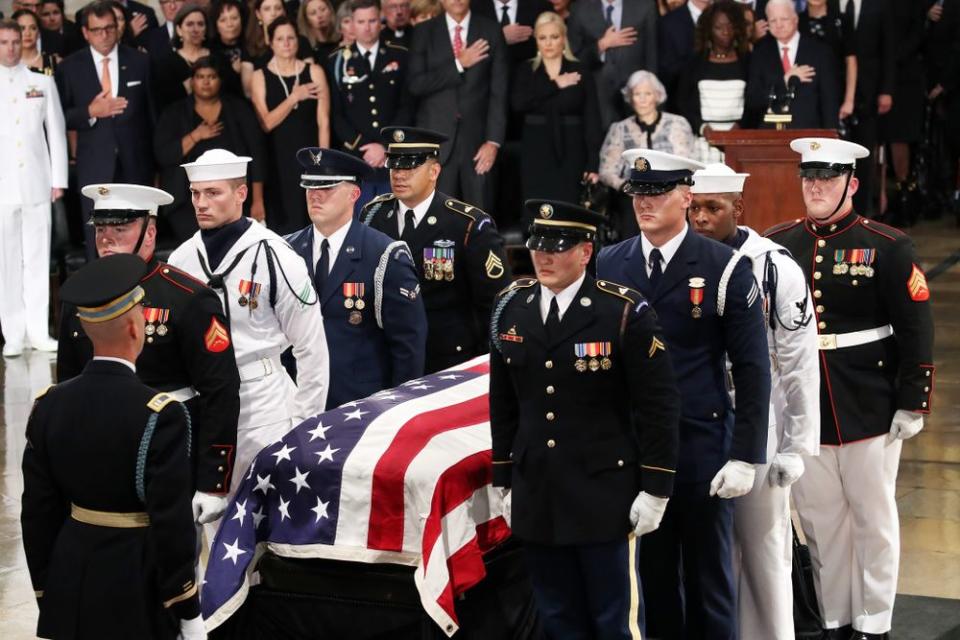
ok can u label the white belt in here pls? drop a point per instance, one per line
(184, 394)
(831, 341)
(259, 369)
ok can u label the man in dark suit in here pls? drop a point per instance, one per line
(396, 22)
(158, 41)
(456, 247)
(675, 42)
(458, 72)
(619, 37)
(373, 316)
(797, 69)
(140, 17)
(516, 17)
(105, 92)
(710, 309)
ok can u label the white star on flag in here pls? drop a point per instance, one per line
(387, 396)
(284, 453)
(300, 479)
(257, 515)
(284, 509)
(264, 484)
(449, 376)
(241, 512)
(320, 509)
(353, 403)
(319, 432)
(422, 387)
(354, 415)
(326, 454)
(233, 551)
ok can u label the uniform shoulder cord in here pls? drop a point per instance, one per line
(272, 263)
(770, 279)
(216, 280)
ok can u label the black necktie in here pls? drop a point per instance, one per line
(366, 56)
(553, 319)
(850, 13)
(408, 225)
(609, 15)
(505, 15)
(323, 267)
(655, 269)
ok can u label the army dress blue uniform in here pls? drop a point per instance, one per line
(708, 304)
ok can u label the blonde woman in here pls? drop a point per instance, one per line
(561, 118)
(317, 23)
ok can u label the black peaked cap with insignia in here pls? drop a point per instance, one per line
(410, 147)
(325, 168)
(559, 226)
(106, 288)
(656, 172)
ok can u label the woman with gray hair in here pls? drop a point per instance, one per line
(648, 128)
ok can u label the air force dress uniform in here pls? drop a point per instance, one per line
(107, 525)
(373, 313)
(876, 366)
(270, 305)
(602, 363)
(457, 249)
(709, 305)
(187, 353)
(762, 525)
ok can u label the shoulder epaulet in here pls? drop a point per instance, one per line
(783, 226)
(393, 45)
(614, 289)
(881, 229)
(180, 278)
(520, 283)
(371, 208)
(463, 208)
(159, 401)
(43, 392)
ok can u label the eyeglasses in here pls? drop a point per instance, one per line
(99, 31)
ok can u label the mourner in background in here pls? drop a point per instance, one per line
(569, 350)
(876, 367)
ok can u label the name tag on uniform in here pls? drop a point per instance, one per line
(133, 83)
(33, 92)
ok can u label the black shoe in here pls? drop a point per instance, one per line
(841, 633)
(862, 635)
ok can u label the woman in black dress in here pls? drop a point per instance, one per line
(258, 51)
(207, 119)
(292, 102)
(39, 61)
(822, 20)
(317, 22)
(173, 71)
(226, 41)
(556, 94)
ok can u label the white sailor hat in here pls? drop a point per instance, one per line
(122, 203)
(655, 172)
(217, 164)
(718, 178)
(827, 157)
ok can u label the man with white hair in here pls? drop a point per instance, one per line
(269, 302)
(762, 517)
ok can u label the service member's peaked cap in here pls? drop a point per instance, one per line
(122, 203)
(217, 164)
(410, 147)
(827, 157)
(559, 226)
(655, 172)
(325, 168)
(718, 178)
(106, 288)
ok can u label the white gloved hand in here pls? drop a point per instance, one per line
(193, 629)
(646, 512)
(507, 503)
(905, 425)
(785, 469)
(208, 507)
(734, 479)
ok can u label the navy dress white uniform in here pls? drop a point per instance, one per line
(876, 366)
(457, 249)
(591, 354)
(107, 525)
(373, 314)
(188, 352)
(709, 307)
(762, 525)
(270, 305)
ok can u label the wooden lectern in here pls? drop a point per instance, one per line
(772, 192)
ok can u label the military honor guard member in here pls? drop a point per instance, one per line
(876, 380)
(188, 352)
(709, 305)
(584, 410)
(761, 519)
(269, 301)
(456, 246)
(373, 314)
(107, 525)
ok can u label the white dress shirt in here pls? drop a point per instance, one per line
(856, 10)
(452, 30)
(694, 11)
(132, 366)
(336, 241)
(114, 65)
(419, 212)
(667, 250)
(791, 46)
(373, 53)
(564, 298)
(511, 10)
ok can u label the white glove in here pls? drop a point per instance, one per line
(506, 502)
(785, 469)
(734, 479)
(193, 629)
(208, 507)
(905, 425)
(646, 512)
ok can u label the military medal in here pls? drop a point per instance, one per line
(155, 319)
(162, 330)
(353, 294)
(605, 361)
(149, 329)
(594, 364)
(348, 303)
(242, 301)
(355, 317)
(448, 269)
(360, 303)
(253, 303)
(248, 293)
(696, 296)
(580, 349)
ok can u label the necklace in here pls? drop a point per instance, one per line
(720, 55)
(283, 83)
(35, 59)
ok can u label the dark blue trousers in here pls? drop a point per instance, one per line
(588, 592)
(687, 568)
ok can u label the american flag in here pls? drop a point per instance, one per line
(400, 477)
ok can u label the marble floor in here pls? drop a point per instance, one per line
(928, 491)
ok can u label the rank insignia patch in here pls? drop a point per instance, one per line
(655, 345)
(494, 266)
(917, 285)
(216, 339)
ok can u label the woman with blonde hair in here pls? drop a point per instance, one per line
(561, 118)
(317, 23)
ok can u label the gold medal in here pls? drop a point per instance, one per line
(355, 317)
(594, 364)
(254, 304)
(448, 266)
(844, 268)
(149, 329)
(448, 276)
(162, 330)
(348, 303)
(361, 304)
(606, 363)
(868, 271)
(836, 270)
(428, 269)
(242, 301)
(580, 365)
(696, 312)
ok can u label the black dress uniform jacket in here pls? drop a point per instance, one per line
(576, 445)
(104, 441)
(861, 387)
(195, 351)
(459, 302)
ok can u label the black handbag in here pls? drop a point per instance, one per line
(807, 623)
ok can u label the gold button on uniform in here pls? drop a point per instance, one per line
(822, 324)
(223, 452)
(220, 469)
(923, 404)
(926, 389)
(551, 443)
(821, 243)
(550, 389)
(219, 486)
(817, 275)
(619, 463)
(459, 348)
(879, 363)
(373, 98)
(551, 415)
(819, 310)
(819, 259)
(817, 293)
(548, 364)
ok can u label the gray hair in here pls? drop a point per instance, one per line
(787, 4)
(640, 77)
